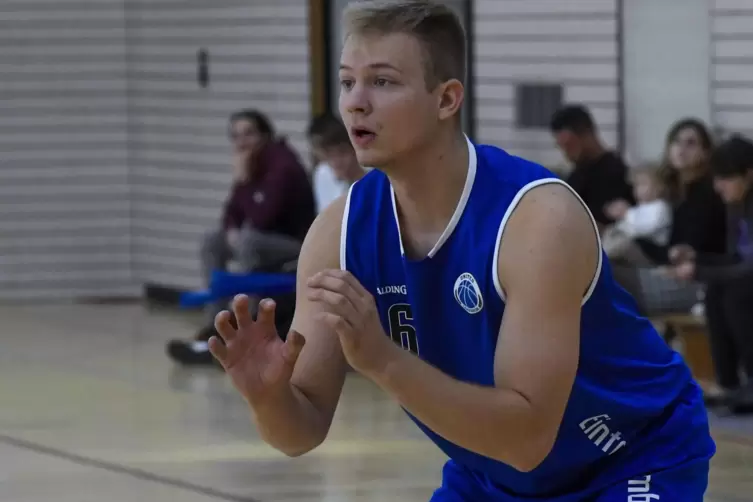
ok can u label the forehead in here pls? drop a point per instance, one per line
(686, 134)
(244, 125)
(401, 51)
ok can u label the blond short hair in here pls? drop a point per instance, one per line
(435, 26)
(651, 171)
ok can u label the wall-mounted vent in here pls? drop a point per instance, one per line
(536, 103)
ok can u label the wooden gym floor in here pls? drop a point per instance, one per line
(91, 410)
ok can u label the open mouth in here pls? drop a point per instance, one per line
(361, 133)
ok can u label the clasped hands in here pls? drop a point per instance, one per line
(258, 361)
(350, 311)
(683, 262)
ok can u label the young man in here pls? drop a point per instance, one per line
(599, 176)
(470, 285)
(339, 167)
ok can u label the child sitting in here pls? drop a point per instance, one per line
(650, 219)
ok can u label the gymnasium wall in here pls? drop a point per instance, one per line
(179, 155)
(64, 195)
(732, 65)
(113, 161)
(572, 42)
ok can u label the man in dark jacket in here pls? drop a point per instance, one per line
(599, 176)
(729, 277)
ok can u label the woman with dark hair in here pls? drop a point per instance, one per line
(698, 219)
(729, 276)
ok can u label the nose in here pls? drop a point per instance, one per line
(355, 100)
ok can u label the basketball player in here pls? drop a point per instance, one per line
(470, 285)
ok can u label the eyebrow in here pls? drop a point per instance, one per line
(374, 66)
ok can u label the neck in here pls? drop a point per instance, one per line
(355, 174)
(428, 184)
(691, 174)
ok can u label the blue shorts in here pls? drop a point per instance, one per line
(686, 483)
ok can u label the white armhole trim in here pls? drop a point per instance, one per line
(344, 231)
(514, 204)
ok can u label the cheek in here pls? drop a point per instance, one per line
(675, 154)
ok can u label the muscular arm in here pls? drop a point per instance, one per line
(298, 420)
(548, 257)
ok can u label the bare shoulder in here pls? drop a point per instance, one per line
(551, 230)
(321, 247)
(555, 205)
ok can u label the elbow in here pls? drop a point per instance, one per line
(532, 453)
(528, 462)
(301, 444)
(295, 451)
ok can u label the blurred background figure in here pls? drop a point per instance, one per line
(728, 276)
(599, 175)
(698, 221)
(338, 167)
(649, 219)
(265, 219)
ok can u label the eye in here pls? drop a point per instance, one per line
(381, 82)
(346, 83)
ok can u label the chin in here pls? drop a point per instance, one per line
(372, 158)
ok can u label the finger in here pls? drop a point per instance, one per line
(224, 327)
(265, 318)
(354, 283)
(363, 299)
(292, 349)
(336, 285)
(346, 277)
(242, 311)
(336, 323)
(336, 302)
(218, 349)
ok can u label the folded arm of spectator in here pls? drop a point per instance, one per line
(232, 214)
(265, 213)
(722, 268)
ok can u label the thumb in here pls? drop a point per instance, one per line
(292, 348)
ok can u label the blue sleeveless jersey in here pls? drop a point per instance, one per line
(634, 407)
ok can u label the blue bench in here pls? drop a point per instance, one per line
(228, 284)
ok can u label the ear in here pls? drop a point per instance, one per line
(451, 96)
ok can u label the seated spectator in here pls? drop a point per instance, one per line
(265, 218)
(729, 276)
(651, 219)
(698, 221)
(599, 176)
(331, 145)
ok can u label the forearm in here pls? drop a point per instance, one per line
(290, 422)
(466, 414)
(725, 273)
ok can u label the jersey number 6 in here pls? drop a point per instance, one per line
(401, 331)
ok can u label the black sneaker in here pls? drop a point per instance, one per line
(741, 402)
(193, 352)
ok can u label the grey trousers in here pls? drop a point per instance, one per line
(253, 251)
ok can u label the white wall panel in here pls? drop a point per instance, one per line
(732, 60)
(179, 154)
(570, 42)
(64, 194)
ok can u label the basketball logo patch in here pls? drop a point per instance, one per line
(468, 294)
